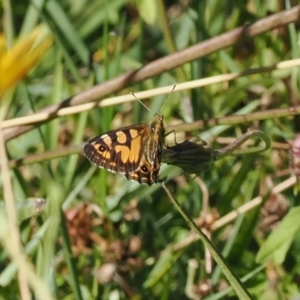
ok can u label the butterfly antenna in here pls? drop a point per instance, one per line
(141, 102)
(167, 97)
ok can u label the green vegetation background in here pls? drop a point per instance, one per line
(127, 240)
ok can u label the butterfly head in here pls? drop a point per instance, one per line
(157, 125)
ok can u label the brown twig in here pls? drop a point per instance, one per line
(43, 116)
(237, 119)
(168, 63)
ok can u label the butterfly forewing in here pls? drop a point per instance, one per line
(134, 151)
(116, 150)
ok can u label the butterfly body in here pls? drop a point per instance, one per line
(134, 151)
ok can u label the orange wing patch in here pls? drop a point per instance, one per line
(133, 133)
(121, 137)
(135, 149)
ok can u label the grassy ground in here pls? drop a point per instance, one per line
(91, 234)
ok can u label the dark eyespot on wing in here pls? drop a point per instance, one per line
(144, 169)
(93, 154)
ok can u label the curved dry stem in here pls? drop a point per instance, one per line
(231, 149)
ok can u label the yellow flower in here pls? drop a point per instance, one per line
(15, 63)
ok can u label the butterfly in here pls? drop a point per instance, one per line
(134, 151)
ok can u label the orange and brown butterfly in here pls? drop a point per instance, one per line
(134, 151)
